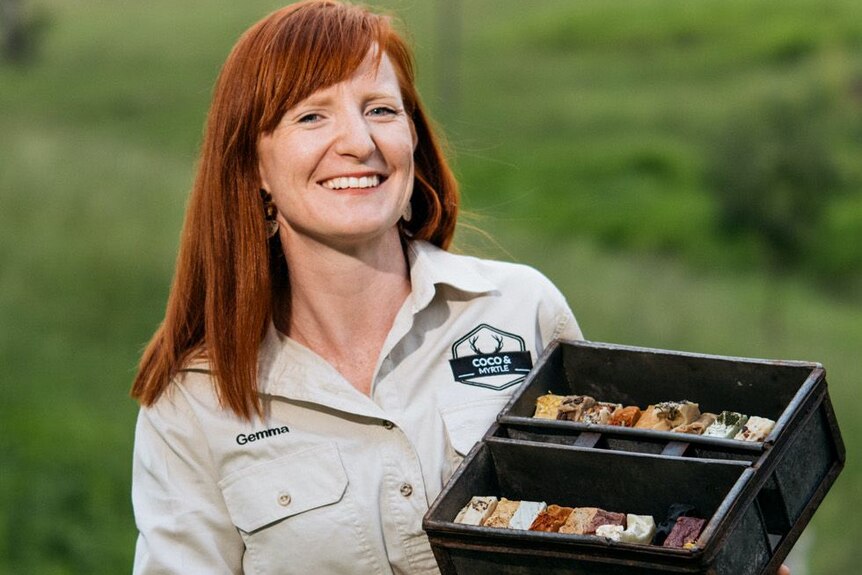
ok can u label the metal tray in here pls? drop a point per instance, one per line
(734, 538)
(751, 530)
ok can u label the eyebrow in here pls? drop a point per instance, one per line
(314, 100)
(383, 95)
(318, 100)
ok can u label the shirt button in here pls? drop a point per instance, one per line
(284, 499)
(388, 424)
(406, 489)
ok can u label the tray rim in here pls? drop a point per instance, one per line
(816, 375)
(716, 524)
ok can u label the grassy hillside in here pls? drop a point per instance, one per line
(580, 131)
(612, 111)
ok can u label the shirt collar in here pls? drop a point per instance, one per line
(430, 266)
(287, 369)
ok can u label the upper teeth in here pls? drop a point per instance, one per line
(350, 182)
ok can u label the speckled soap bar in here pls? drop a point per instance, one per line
(477, 510)
(727, 425)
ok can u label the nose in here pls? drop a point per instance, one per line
(354, 136)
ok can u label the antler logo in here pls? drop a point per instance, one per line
(489, 357)
(478, 351)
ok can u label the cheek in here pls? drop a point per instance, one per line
(286, 160)
(406, 154)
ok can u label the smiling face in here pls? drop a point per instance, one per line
(339, 165)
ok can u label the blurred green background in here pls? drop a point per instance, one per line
(687, 172)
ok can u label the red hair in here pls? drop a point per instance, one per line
(229, 278)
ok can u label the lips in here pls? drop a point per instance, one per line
(353, 182)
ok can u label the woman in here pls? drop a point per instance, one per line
(301, 402)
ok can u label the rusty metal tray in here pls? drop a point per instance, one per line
(758, 510)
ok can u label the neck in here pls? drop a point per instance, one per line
(343, 301)
(352, 274)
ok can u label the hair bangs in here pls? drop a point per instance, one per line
(318, 45)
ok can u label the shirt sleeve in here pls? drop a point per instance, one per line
(556, 319)
(183, 524)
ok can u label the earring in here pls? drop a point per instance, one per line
(407, 214)
(269, 213)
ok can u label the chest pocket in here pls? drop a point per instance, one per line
(466, 423)
(272, 491)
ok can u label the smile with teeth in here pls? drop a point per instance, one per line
(344, 182)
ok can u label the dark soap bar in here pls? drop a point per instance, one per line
(685, 532)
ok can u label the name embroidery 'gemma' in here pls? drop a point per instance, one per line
(242, 438)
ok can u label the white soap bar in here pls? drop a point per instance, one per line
(639, 529)
(755, 429)
(727, 424)
(614, 532)
(526, 514)
(477, 510)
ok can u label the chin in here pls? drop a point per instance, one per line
(358, 234)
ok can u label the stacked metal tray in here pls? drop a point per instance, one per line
(757, 497)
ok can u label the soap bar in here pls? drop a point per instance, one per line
(585, 520)
(551, 519)
(572, 407)
(755, 429)
(727, 425)
(675, 511)
(603, 517)
(502, 514)
(685, 532)
(477, 510)
(548, 406)
(639, 529)
(600, 413)
(666, 415)
(526, 514)
(613, 532)
(579, 521)
(698, 426)
(626, 416)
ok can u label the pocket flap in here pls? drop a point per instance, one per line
(466, 423)
(277, 489)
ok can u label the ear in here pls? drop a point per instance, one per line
(261, 150)
(413, 133)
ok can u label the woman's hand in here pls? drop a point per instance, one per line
(783, 570)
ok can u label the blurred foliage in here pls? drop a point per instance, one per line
(583, 138)
(21, 30)
(774, 176)
(615, 114)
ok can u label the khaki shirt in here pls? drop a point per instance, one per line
(332, 480)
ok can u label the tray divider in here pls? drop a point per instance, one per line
(676, 448)
(588, 439)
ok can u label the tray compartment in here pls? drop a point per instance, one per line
(641, 376)
(615, 481)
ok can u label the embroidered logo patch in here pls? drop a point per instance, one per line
(489, 357)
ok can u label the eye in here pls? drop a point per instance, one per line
(382, 111)
(309, 118)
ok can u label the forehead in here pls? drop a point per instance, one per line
(374, 74)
